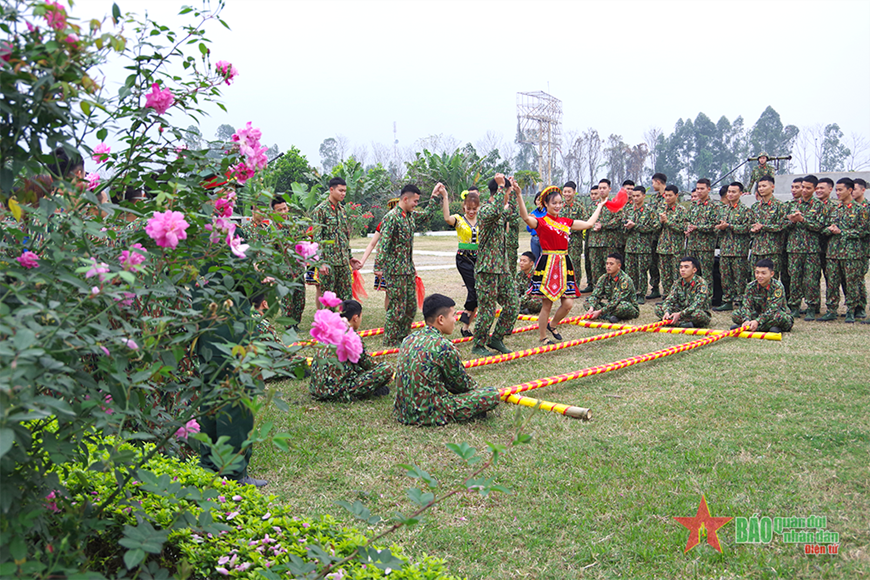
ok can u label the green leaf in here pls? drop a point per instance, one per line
(382, 559)
(7, 438)
(418, 497)
(102, 134)
(116, 13)
(360, 511)
(465, 451)
(203, 48)
(133, 558)
(144, 537)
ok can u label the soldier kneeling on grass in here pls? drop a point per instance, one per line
(764, 306)
(432, 386)
(333, 380)
(688, 302)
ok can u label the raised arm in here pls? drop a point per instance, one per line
(531, 221)
(586, 224)
(445, 207)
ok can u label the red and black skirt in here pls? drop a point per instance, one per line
(553, 277)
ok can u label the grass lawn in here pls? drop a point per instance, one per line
(758, 427)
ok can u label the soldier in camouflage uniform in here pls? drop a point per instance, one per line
(528, 304)
(603, 238)
(587, 208)
(575, 209)
(764, 306)
(332, 232)
(672, 238)
(846, 225)
(733, 227)
(656, 201)
(790, 205)
(397, 260)
(806, 219)
(333, 380)
(858, 195)
(432, 385)
(642, 230)
(614, 296)
(688, 303)
(760, 171)
(700, 235)
(769, 222)
(492, 272)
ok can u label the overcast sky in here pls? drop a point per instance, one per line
(313, 69)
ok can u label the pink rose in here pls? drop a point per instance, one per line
(307, 250)
(227, 70)
(28, 259)
(242, 172)
(95, 290)
(328, 327)
(329, 299)
(350, 348)
(101, 153)
(127, 300)
(5, 51)
(130, 259)
(187, 430)
(237, 247)
(55, 15)
(97, 270)
(93, 181)
(167, 228)
(131, 344)
(223, 206)
(72, 38)
(159, 100)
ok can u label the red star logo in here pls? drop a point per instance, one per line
(703, 521)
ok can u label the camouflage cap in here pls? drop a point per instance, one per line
(763, 154)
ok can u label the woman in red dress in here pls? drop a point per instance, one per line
(553, 278)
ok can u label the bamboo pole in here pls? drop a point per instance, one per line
(689, 331)
(554, 380)
(454, 341)
(567, 410)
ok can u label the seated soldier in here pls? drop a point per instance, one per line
(332, 379)
(528, 304)
(614, 296)
(432, 386)
(764, 306)
(688, 303)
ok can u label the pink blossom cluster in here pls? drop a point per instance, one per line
(248, 139)
(167, 228)
(97, 269)
(101, 153)
(159, 100)
(28, 259)
(227, 70)
(55, 15)
(187, 430)
(51, 504)
(308, 251)
(130, 259)
(93, 181)
(330, 328)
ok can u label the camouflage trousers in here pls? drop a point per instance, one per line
(863, 285)
(454, 408)
(597, 259)
(804, 270)
(338, 280)
(783, 320)
(849, 274)
(669, 269)
(622, 310)
(530, 303)
(637, 266)
(707, 258)
(575, 252)
(293, 303)
(775, 258)
(734, 271)
(655, 278)
(587, 265)
(495, 289)
(402, 293)
(699, 319)
(354, 385)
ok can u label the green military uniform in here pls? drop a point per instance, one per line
(528, 304)
(292, 303)
(575, 211)
(671, 245)
(845, 264)
(332, 232)
(734, 251)
(640, 242)
(602, 242)
(332, 379)
(827, 207)
(492, 272)
(865, 243)
(512, 242)
(691, 299)
(701, 243)
(767, 242)
(614, 296)
(397, 262)
(758, 172)
(766, 305)
(432, 386)
(656, 203)
(803, 250)
(585, 210)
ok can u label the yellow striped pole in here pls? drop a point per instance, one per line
(500, 358)
(455, 340)
(689, 331)
(567, 410)
(597, 370)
